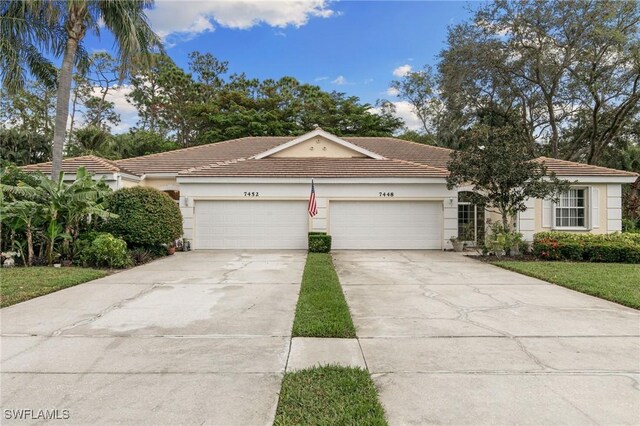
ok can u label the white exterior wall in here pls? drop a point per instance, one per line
(614, 208)
(326, 190)
(527, 220)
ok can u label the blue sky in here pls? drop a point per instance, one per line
(349, 46)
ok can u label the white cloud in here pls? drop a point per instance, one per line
(128, 113)
(402, 70)
(321, 78)
(186, 19)
(392, 91)
(340, 80)
(404, 110)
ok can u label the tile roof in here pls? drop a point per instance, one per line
(244, 148)
(233, 158)
(316, 167)
(405, 150)
(201, 155)
(569, 168)
(92, 163)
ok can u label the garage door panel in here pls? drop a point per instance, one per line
(386, 224)
(251, 224)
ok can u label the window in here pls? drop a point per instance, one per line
(570, 212)
(470, 219)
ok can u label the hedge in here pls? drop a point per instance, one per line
(146, 217)
(622, 248)
(319, 242)
(586, 237)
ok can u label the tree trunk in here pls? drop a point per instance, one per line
(74, 103)
(29, 246)
(505, 221)
(62, 105)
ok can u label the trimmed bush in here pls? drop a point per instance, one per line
(146, 217)
(586, 237)
(319, 243)
(571, 251)
(107, 250)
(622, 248)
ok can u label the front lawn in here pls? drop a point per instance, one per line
(322, 310)
(617, 282)
(20, 284)
(329, 395)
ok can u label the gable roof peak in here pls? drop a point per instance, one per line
(319, 132)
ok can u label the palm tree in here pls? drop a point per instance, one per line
(126, 19)
(28, 31)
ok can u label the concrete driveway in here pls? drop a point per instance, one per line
(450, 340)
(195, 338)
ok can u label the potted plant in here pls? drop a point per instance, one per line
(457, 243)
(171, 248)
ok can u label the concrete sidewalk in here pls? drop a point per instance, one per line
(200, 337)
(451, 340)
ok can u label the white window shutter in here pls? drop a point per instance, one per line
(594, 200)
(546, 213)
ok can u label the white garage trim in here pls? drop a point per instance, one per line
(358, 229)
(241, 223)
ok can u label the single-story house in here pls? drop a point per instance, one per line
(371, 192)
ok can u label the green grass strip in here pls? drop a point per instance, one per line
(617, 282)
(20, 284)
(322, 310)
(329, 395)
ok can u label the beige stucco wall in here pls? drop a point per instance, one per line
(125, 183)
(602, 204)
(161, 184)
(318, 147)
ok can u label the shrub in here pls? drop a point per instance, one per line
(615, 247)
(107, 250)
(571, 251)
(319, 243)
(500, 239)
(146, 217)
(140, 256)
(586, 238)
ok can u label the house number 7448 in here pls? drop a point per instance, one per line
(251, 194)
(386, 194)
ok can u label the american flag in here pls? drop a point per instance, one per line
(313, 207)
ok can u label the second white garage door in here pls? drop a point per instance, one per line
(251, 224)
(386, 224)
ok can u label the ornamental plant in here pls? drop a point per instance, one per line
(146, 217)
(107, 250)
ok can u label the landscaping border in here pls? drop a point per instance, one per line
(322, 310)
(329, 395)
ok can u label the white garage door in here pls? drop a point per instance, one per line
(251, 224)
(386, 224)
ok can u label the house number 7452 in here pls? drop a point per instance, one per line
(251, 194)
